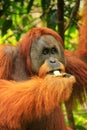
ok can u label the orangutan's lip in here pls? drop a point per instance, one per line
(59, 73)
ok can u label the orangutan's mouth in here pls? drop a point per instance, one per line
(59, 73)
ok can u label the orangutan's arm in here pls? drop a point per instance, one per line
(32, 99)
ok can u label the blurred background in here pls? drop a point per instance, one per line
(19, 16)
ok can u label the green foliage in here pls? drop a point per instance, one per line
(45, 4)
(30, 4)
(80, 116)
(15, 20)
(71, 36)
(6, 25)
(18, 16)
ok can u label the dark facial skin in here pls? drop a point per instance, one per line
(46, 48)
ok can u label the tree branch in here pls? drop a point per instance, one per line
(73, 14)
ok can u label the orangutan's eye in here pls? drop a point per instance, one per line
(53, 50)
(45, 51)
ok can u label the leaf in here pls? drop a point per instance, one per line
(78, 127)
(21, 1)
(30, 5)
(6, 25)
(45, 4)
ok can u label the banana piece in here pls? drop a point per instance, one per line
(57, 73)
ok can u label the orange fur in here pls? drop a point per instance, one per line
(77, 68)
(22, 105)
(77, 65)
(5, 64)
(33, 104)
(77, 62)
(82, 50)
(10, 95)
